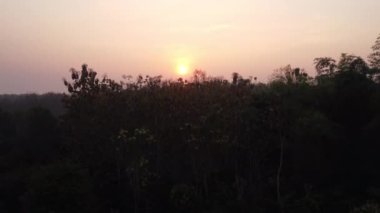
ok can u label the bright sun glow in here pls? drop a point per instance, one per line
(182, 69)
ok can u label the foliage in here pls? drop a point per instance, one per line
(367, 208)
(374, 57)
(295, 144)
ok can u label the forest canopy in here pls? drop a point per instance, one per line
(298, 143)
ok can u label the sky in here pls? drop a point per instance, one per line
(40, 40)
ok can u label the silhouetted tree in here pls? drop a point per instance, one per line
(352, 63)
(325, 66)
(374, 57)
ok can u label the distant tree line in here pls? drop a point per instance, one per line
(24, 102)
(295, 144)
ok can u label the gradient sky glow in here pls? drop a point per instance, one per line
(40, 40)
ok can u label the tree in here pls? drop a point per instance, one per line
(86, 82)
(353, 63)
(374, 57)
(325, 66)
(289, 75)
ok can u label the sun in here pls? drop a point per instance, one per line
(183, 65)
(182, 69)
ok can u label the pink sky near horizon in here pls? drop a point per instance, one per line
(40, 40)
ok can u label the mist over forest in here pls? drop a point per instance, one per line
(298, 143)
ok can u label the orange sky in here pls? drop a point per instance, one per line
(41, 39)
